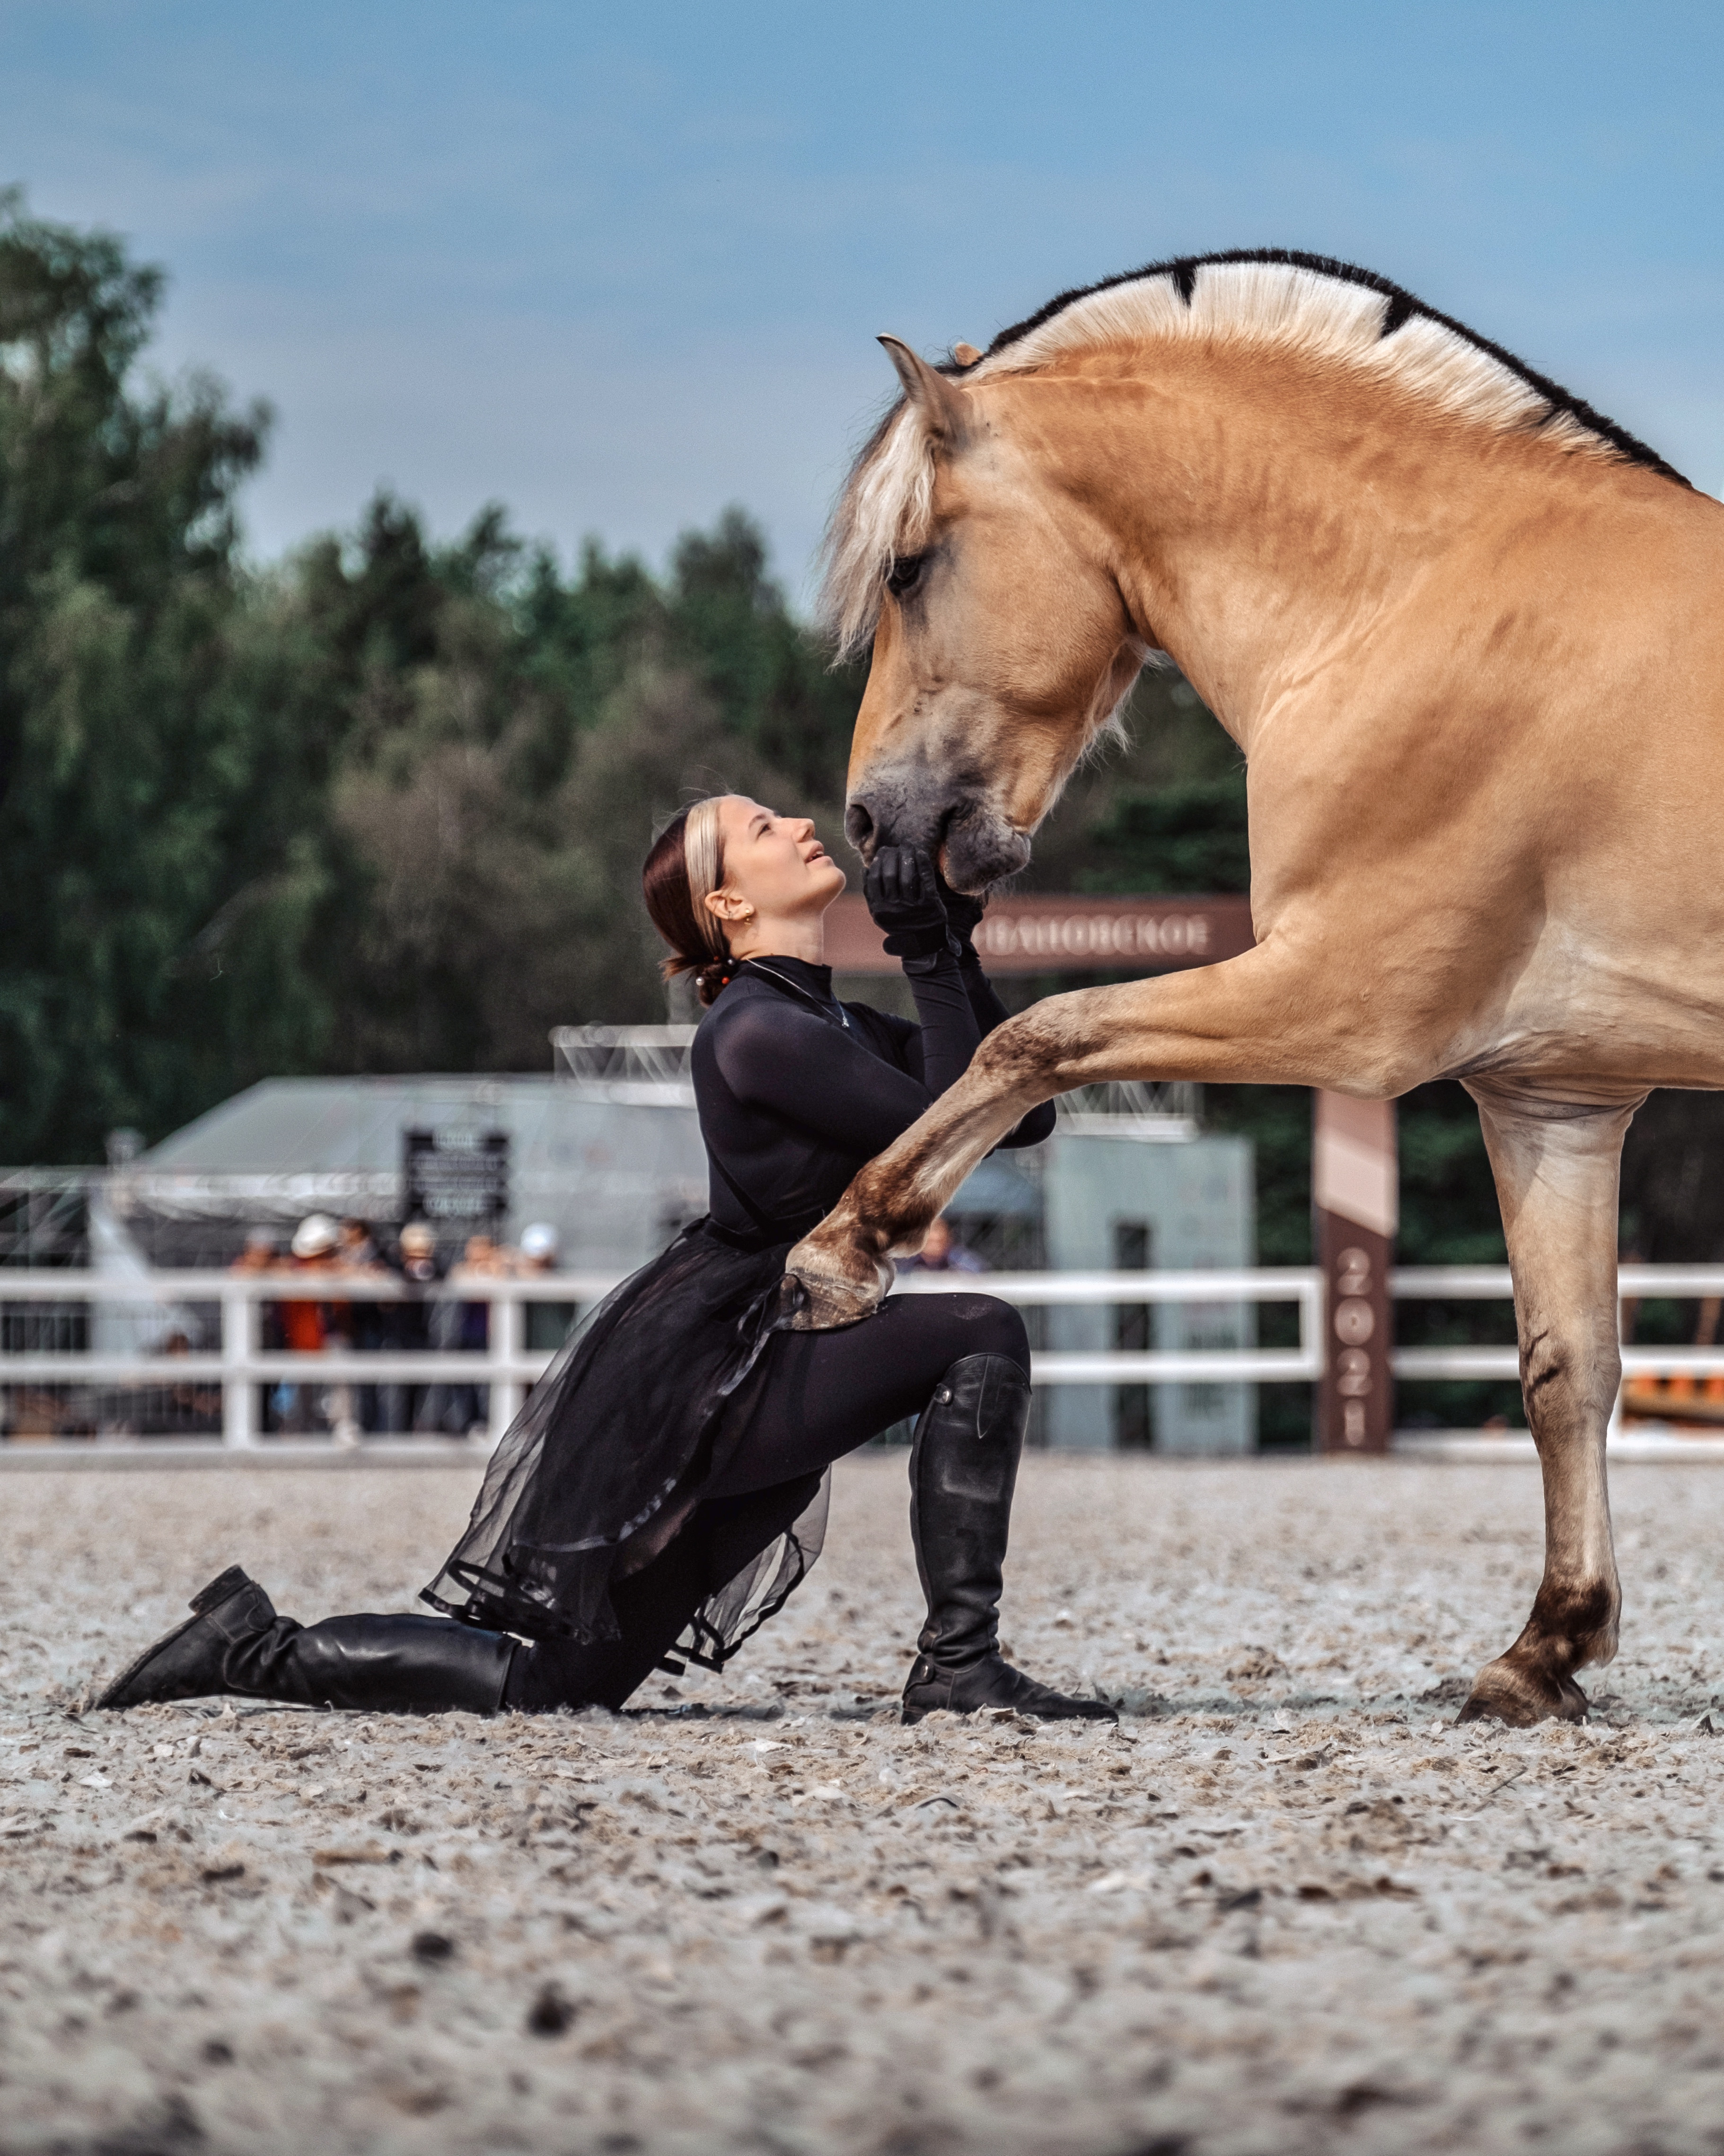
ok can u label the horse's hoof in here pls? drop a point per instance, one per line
(840, 1282)
(1519, 1696)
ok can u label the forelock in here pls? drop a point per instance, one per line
(884, 512)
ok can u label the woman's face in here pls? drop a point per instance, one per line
(773, 864)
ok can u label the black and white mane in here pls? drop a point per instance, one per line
(1267, 295)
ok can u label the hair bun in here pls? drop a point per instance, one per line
(711, 980)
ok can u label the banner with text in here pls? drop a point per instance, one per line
(1024, 933)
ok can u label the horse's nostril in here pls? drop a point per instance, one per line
(859, 826)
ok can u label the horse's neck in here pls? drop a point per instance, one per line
(1261, 526)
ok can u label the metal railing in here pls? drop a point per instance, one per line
(506, 1367)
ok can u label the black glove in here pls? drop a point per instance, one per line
(902, 890)
(962, 914)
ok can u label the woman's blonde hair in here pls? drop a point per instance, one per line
(685, 867)
(703, 852)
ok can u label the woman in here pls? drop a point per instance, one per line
(664, 1488)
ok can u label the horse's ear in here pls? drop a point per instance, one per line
(939, 403)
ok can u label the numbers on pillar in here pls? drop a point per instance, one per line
(1354, 1322)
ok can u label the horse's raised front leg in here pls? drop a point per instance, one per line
(1246, 1020)
(1555, 1163)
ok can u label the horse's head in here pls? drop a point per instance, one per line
(1002, 645)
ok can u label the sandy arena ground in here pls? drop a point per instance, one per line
(1285, 1907)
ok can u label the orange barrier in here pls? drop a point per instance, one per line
(1679, 1396)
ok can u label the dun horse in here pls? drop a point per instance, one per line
(1469, 636)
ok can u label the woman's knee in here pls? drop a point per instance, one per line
(986, 1326)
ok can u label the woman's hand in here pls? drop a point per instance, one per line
(963, 912)
(902, 890)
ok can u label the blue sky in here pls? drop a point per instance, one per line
(616, 267)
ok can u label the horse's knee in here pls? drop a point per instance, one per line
(1564, 1372)
(1548, 1359)
(1023, 1051)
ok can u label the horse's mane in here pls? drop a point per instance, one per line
(1269, 296)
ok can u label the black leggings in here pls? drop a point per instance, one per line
(827, 1392)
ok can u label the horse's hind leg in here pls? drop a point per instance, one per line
(1555, 1163)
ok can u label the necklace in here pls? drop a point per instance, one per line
(827, 1006)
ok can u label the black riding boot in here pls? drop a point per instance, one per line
(653, 1604)
(235, 1642)
(962, 1467)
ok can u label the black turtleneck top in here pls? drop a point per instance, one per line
(796, 1090)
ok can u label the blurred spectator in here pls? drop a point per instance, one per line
(466, 1411)
(416, 1261)
(262, 1255)
(310, 1327)
(544, 1325)
(356, 1247)
(427, 1320)
(258, 1255)
(299, 1323)
(943, 1253)
(357, 1252)
(192, 1407)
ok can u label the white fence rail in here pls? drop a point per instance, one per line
(1132, 1366)
(240, 1367)
(506, 1367)
(1491, 1284)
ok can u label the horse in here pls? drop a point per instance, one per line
(1467, 633)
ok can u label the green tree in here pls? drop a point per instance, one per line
(508, 743)
(727, 621)
(127, 763)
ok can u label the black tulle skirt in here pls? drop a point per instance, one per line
(639, 1413)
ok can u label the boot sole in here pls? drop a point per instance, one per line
(912, 1710)
(909, 1717)
(221, 1589)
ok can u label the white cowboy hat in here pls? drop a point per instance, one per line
(316, 1236)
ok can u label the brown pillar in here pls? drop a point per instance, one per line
(1355, 1195)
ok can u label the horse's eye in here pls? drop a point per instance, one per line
(902, 576)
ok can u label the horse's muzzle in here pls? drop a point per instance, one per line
(972, 842)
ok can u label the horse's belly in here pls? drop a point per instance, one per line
(1627, 1022)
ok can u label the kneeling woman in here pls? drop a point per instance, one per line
(662, 1491)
